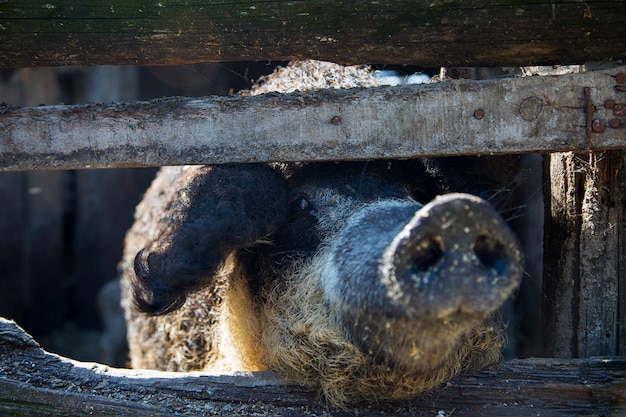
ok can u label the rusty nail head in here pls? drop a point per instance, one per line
(619, 110)
(597, 126)
(620, 88)
(479, 114)
(620, 78)
(614, 123)
(609, 103)
(336, 120)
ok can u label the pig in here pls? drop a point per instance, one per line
(365, 280)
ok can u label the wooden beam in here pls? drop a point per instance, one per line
(531, 114)
(36, 383)
(584, 295)
(428, 33)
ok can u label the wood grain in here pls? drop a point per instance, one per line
(426, 33)
(529, 114)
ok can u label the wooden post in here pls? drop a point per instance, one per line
(428, 33)
(584, 280)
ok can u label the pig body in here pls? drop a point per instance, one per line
(352, 277)
(316, 283)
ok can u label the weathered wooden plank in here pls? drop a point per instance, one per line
(601, 229)
(561, 266)
(449, 118)
(584, 280)
(427, 33)
(33, 382)
(618, 178)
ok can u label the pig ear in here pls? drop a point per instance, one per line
(222, 208)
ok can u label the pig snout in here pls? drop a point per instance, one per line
(408, 282)
(400, 259)
(456, 255)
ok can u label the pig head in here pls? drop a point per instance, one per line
(354, 278)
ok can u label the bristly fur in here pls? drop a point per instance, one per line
(306, 345)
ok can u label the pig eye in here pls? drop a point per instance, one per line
(301, 203)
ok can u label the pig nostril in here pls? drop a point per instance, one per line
(491, 253)
(427, 253)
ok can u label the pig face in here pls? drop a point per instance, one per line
(350, 277)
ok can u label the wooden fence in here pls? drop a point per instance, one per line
(584, 298)
(531, 114)
(428, 33)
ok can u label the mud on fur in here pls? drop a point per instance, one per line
(351, 278)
